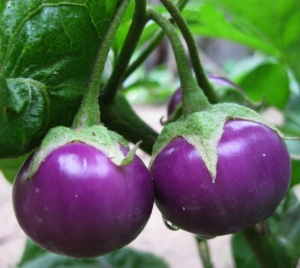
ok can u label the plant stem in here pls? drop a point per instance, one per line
(89, 112)
(138, 23)
(193, 98)
(204, 253)
(193, 50)
(152, 45)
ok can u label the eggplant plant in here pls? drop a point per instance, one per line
(217, 167)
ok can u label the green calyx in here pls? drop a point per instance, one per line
(108, 142)
(204, 130)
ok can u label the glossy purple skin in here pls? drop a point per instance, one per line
(80, 204)
(253, 175)
(174, 101)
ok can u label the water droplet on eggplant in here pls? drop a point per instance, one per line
(170, 225)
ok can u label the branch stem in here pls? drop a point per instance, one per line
(193, 50)
(152, 45)
(193, 98)
(89, 112)
(138, 23)
(203, 250)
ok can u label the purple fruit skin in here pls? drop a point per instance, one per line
(253, 176)
(174, 101)
(80, 204)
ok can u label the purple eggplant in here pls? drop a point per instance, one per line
(174, 101)
(80, 204)
(252, 177)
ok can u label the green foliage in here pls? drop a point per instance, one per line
(295, 172)
(48, 50)
(282, 240)
(10, 167)
(291, 125)
(263, 79)
(288, 229)
(268, 26)
(153, 86)
(294, 149)
(36, 257)
(123, 29)
(291, 128)
(242, 253)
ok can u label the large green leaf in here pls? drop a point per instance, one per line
(35, 257)
(263, 79)
(48, 49)
(271, 26)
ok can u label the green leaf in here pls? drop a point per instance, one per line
(48, 50)
(228, 91)
(210, 20)
(35, 257)
(242, 253)
(269, 26)
(295, 172)
(10, 167)
(291, 125)
(294, 149)
(2, 5)
(124, 28)
(127, 257)
(291, 128)
(263, 79)
(31, 252)
(288, 231)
